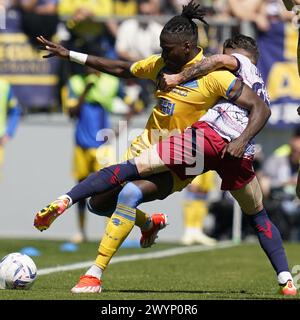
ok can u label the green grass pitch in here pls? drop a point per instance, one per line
(238, 272)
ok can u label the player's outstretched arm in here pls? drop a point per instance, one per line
(259, 114)
(116, 68)
(201, 68)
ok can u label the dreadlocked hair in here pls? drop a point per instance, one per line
(184, 24)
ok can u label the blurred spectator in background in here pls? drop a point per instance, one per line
(176, 5)
(222, 210)
(277, 41)
(280, 171)
(88, 98)
(261, 12)
(121, 8)
(87, 31)
(196, 210)
(137, 39)
(290, 4)
(125, 7)
(43, 7)
(10, 113)
(38, 17)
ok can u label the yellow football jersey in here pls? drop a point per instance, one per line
(179, 108)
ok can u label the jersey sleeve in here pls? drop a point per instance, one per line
(220, 83)
(244, 64)
(147, 68)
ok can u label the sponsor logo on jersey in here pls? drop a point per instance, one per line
(166, 106)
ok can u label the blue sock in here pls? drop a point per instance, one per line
(104, 180)
(270, 240)
(130, 196)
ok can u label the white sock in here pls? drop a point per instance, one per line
(64, 196)
(283, 277)
(95, 271)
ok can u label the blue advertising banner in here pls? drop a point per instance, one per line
(34, 79)
(278, 64)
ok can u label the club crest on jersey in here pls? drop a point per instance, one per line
(166, 106)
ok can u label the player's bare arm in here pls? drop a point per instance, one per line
(199, 69)
(259, 114)
(116, 68)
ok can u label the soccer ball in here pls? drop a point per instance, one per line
(17, 271)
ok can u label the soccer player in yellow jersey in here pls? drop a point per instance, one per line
(232, 160)
(175, 110)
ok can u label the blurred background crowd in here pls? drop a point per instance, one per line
(129, 30)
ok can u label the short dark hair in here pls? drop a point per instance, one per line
(183, 24)
(243, 42)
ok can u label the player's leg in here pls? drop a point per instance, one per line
(120, 225)
(102, 181)
(80, 171)
(85, 162)
(104, 205)
(81, 220)
(151, 161)
(250, 198)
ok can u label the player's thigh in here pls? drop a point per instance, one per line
(249, 197)
(149, 162)
(155, 187)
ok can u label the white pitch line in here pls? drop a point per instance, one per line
(143, 256)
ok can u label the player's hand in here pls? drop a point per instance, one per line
(53, 48)
(168, 81)
(235, 148)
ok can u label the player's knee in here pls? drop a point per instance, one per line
(252, 210)
(92, 207)
(249, 197)
(131, 195)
